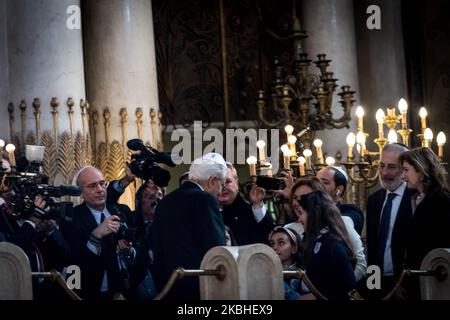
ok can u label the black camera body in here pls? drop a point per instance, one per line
(270, 183)
(145, 163)
(28, 185)
(126, 233)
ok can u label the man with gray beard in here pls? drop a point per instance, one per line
(389, 214)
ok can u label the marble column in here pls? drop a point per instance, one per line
(331, 30)
(381, 60)
(4, 82)
(121, 65)
(45, 59)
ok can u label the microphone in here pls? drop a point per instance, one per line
(135, 145)
(302, 132)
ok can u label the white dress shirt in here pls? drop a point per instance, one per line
(388, 267)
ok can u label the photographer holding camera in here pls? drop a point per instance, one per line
(8, 224)
(94, 238)
(146, 199)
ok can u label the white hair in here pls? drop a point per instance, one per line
(210, 165)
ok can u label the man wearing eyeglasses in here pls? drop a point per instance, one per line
(388, 216)
(102, 257)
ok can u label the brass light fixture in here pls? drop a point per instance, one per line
(302, 99)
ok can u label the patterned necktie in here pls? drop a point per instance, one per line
(384, 228)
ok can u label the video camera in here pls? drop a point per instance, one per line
(26, 181)
(144, 164)
(28, 185)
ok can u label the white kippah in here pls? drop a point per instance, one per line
(341, 171)
(77, 174)
(214, 157)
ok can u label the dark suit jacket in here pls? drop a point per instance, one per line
(399, 232)
(8, 225)
(187, 224)
(92, 266)
(239, 217)
(430, 228)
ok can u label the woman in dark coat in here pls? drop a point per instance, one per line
(328, 255)
(431, 207)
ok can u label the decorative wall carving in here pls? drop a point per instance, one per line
(187, 40)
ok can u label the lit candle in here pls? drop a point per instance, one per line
(361, 140)
(330, 161)
(251, 161)
(284, 148)
(392, 136)
(287, 159)
(289, 129)
(441, 139)
(403, 107)
(351, 139)
(2, 144)
(428, 136)
(261, 144)
(301, 162)
(360, 116)
(380, 120)
(307, 153)
(318, 144)
(269, 170)
(292, 140)
(10, 149)
(423, 118)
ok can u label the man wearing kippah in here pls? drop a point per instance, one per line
(187, 224)
(335, 180)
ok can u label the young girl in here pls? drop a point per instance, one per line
(328, 255)
(286, 244)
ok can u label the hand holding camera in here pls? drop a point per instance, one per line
(257, 195)
(288, 182)
(124, 247)
(109, 225)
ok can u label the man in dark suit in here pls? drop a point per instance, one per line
(335, 180)
(101, 255)
(187, 224)
(389, 214)
(249, 222)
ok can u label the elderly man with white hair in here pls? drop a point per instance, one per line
(188, 223)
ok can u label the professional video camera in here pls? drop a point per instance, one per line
(144, 164)
(27, 186)
(26, 181)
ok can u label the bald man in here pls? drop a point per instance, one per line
(102, 257)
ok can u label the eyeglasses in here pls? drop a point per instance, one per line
(91, 186)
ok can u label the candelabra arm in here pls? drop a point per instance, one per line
(267, 122)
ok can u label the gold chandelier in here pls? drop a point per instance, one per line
(302, 99)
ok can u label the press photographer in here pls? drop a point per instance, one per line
(143, 165)
(29, 217)
(103, 256)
